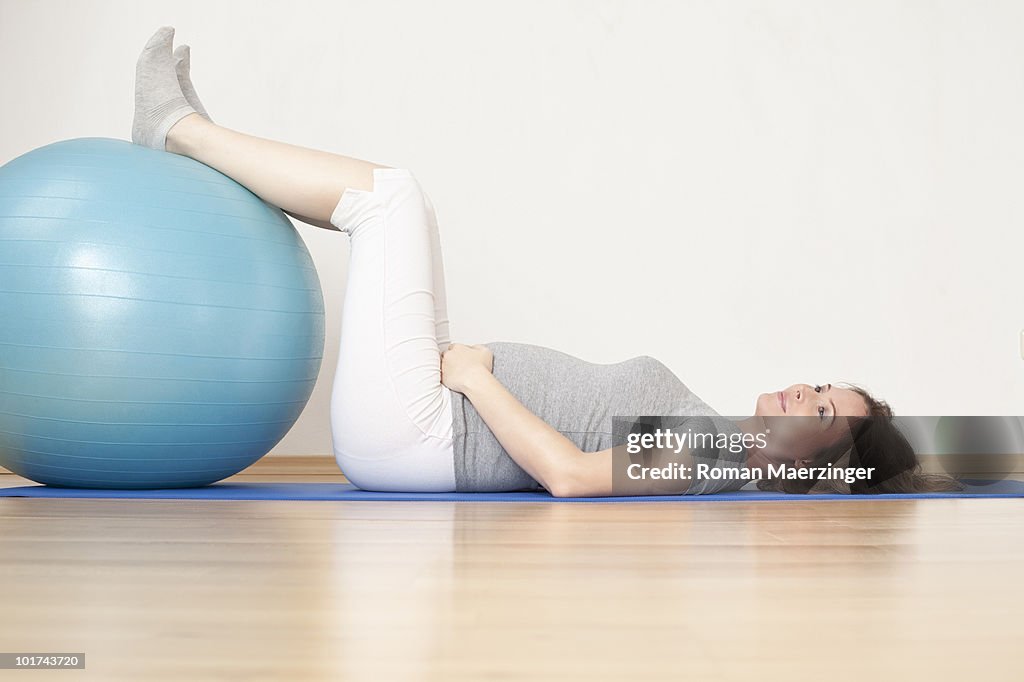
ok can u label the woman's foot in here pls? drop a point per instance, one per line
(159, 101)
(182, 66)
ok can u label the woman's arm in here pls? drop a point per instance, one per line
(536, 446)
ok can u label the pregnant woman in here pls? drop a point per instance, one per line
(411, 411)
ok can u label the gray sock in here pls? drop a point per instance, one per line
(159, 102)
(182, 65)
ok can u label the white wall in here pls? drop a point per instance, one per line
(756, 193)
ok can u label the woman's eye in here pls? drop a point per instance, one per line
(818, 389)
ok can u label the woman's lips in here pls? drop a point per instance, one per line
(782, 400)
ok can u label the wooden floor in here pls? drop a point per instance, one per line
(250, 590)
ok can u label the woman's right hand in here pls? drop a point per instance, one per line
(462, 364)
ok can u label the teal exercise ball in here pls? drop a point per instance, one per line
(162, 326)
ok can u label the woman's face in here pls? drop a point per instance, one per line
(820, 409)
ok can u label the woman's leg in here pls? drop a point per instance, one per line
(390, 415)
(307, 182)
(304, 183)
(442, 331)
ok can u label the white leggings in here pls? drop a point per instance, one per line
(391, 417)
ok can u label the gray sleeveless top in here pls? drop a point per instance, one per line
(579, 399)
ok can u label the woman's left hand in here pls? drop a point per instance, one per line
(460, 364)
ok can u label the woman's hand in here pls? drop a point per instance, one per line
(460, 364)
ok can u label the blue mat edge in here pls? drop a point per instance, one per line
(346, 492)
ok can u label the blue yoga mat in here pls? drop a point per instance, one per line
(345, 492)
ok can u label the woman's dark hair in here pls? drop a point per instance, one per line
(878, 443)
